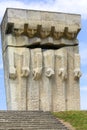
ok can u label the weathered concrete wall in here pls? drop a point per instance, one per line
(41, 60)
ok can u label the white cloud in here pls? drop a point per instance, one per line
(73, 6)
(83, 88)
(84, 76)
(69, 6)
(11, 4)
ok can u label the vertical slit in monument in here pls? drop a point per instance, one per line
(39, 98)
(66, 97)
(66, 88)
(26, 95)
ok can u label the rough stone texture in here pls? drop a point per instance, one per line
(30, 120)
(41, 60)
(59, 96)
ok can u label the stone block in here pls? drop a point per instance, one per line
(41, 60)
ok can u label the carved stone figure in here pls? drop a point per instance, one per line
(60, 80)
(48, 73)
(77, 71)
(18, 71)
(41, 60)
(49, 62)
(34, 81)
(36, 63)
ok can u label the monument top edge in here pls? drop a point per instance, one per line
(20, 9)
(20, 17)
(27, 14)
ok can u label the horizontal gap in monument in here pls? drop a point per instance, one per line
(54, 47)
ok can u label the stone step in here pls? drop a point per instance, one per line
(29, 120)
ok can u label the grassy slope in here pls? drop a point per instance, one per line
(78, 119)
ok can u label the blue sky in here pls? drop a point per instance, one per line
(67, 6)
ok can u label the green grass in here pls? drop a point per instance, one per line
(78, 119)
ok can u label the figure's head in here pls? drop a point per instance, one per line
(17, 31)
(70, 35)
(57, 35)
(31, 31)
(44, 32)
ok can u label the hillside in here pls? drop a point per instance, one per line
(78, 119)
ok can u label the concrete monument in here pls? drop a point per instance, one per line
(41, 60)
